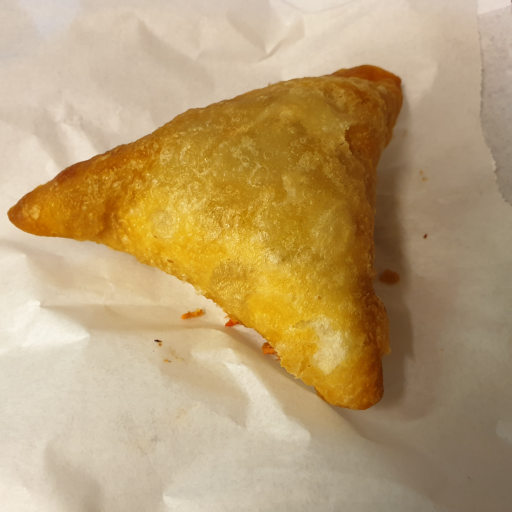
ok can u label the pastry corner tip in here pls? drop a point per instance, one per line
(355, 405)
(25, 215)
(15, 215)
(370, 72)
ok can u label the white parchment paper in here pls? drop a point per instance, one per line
(96, 416)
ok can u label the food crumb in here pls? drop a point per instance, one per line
(166, 361)
(231, 323)
(425, 235)
(192, 314)
(159, 342)
(389, 277)
(268, 349)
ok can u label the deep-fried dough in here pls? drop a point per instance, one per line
(265, 203)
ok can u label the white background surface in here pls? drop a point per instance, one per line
(93, 419)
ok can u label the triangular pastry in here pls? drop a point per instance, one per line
(265, 203)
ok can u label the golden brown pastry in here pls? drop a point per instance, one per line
(265, 203)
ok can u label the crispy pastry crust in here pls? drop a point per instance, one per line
(265, 203)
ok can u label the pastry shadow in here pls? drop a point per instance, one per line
(389, 254)
(389, 251)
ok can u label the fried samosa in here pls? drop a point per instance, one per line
(265, 203)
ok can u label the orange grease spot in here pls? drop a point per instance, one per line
(192, 314)
(389, 277)
(268, 349)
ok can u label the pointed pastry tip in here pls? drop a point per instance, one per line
(38, 213)
(24, 215)
(69, 206)
(369, 72)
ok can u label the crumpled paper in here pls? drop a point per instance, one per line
(97, 416)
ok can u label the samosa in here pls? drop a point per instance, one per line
(265, 203)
